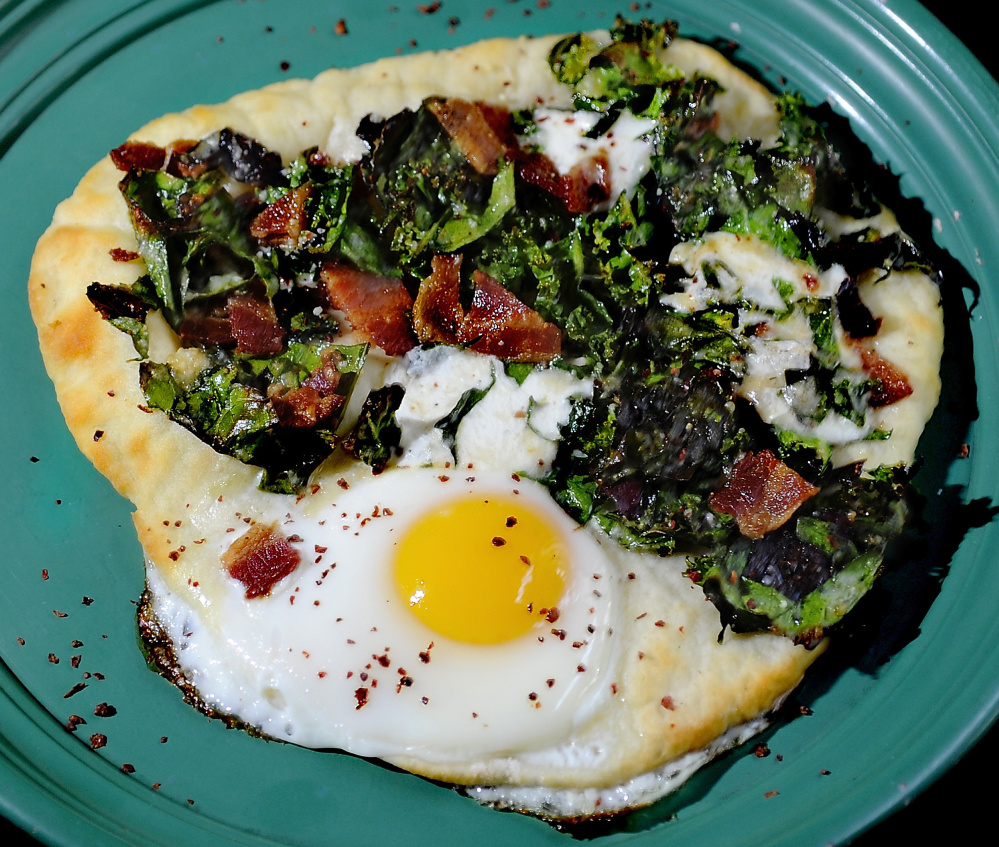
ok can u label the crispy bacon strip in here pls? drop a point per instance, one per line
(260, 559)
(314, 400)
(890, 384)
(206, 325)
(437, 314)
(500, 324)
(585, 187)
(254, 325)
(378, 307)
(471, 129)
(497, 322)
(139, 156)
(762, 494)
(247, 321)
(281, 223)
(142, 156)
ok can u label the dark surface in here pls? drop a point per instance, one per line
(960, 800)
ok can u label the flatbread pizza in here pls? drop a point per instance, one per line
(523, 415)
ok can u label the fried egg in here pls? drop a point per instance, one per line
(444, 617)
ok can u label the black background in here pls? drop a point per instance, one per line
(961, 801)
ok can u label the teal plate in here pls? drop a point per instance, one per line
(892, 706)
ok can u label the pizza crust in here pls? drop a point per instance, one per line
(681, 688)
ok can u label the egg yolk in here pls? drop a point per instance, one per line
(483, 570)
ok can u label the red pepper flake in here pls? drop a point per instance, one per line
(59, 614)
(87, 601)
(45, 573)
(770, 794)
(805, 710)
(98, 434)
(341, 27)
(73, 722)
(163, 739)
(511, 521)
(361, 696)
(53, 658)
(285, 65)
(20, 640)
(761, 750)
(532, 696)
(97, 740)
(127, 768)
(425, 654)
(580, 668)
(667, 703)
(343, 483)
(965, 451)
(498, 542)
(825, 772)
(76, 644)
(552, 614)
(426, 9)
(104, 710)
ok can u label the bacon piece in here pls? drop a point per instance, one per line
(497, 322)
(314, 400)
(142, 156)
(378, 307)
(761, 494)
(500, 121)
(585, 187)
(139, 156)
(112, 301)
(469, 128)
(247, 321)
(500, 324)
(890, 384)
(254, 325)
(206, 325)
(281, 223)
(437, 314)
(260, 559)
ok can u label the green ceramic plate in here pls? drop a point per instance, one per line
(892, 707)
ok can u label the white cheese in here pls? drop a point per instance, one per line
(746, 268)
(514, 427)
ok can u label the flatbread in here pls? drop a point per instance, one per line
(683, 692)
